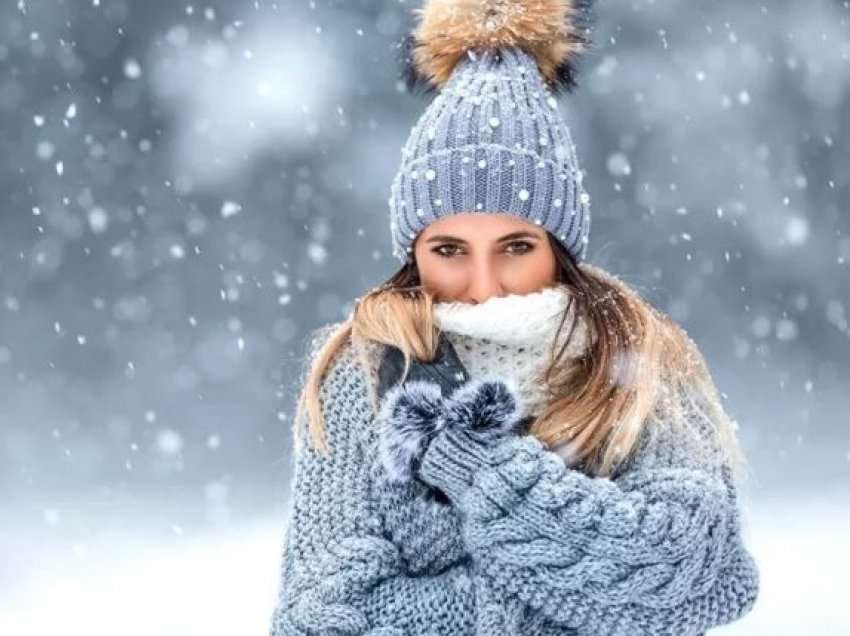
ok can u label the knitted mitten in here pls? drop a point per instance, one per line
(415, 414)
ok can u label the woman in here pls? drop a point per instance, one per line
(503, 439)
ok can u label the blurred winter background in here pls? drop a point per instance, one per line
(188, 190)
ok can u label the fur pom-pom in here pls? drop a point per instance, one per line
(554, 32)
(487, 407)
(410, 414)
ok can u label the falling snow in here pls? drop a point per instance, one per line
(189, 190)
(132, 68)
(230, 208)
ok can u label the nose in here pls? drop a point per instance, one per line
(484, 284)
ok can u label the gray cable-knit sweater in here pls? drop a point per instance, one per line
(526, 544)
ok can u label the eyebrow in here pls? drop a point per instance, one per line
(506, 237)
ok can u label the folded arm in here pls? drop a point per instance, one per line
(656, 550)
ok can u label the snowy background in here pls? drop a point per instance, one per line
(188, 190)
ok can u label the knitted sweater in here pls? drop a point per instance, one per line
(526, 544)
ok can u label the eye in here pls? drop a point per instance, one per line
(437, 250)
(525, 247)
(515, 248)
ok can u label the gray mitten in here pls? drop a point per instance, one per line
(408, 424)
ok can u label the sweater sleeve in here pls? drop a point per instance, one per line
(340, 574)
(655, 550)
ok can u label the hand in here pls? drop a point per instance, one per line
(407, 431)
(446, 370)
(431, 549)
(413, 412)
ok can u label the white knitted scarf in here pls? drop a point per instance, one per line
(512, 336)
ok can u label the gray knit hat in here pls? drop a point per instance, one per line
(493, 140)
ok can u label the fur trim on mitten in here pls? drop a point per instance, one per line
(414, 412)
(410, 414)
(487, 407)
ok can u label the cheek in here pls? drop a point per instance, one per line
(533, 270)
(439, 274)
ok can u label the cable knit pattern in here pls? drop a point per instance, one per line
(358, 559)
(658, 550)
(523, 544)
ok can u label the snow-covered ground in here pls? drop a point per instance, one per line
(177, 582)
(221, 583)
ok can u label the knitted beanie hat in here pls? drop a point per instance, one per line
(493, 141)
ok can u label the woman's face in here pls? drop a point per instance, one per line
(469, 257)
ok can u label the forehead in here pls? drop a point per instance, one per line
(475, 225)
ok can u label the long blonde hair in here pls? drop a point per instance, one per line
(598, 403)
